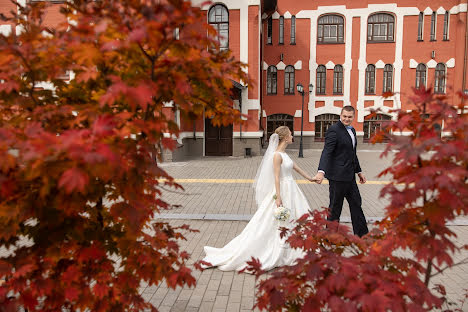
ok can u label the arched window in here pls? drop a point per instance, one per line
(374, 124)
(439, 84)
(321, 79)
(293, 29)
(338, 80)
(289, 80)
(370, 79)
(218, 17)
(271, 79)
(277, 120)
(387, 78)
(433, 25)
(281, 30)
(446, 25)
(330, 29)
(420, 76)
(380, 27)
(322, 123)
(420, 26)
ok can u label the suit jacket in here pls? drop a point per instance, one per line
(339, 159)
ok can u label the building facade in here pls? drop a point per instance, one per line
(351, 53)
(342, 53)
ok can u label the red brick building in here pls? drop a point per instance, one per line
(342, 52)
(352, 52)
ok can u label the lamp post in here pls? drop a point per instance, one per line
(300, 89)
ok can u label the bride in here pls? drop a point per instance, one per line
(274, 186)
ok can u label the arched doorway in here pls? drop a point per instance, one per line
(374, 124)
(322, 123)
(277, 120)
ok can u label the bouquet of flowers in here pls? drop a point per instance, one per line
(282, 213)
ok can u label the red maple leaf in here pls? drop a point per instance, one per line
(100, 290)
(73, 179)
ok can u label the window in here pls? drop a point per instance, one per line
(321, 79)
(380, 27)
(330, 29)
(439, 84)
(277, 120)
(433, 26)
(420, 26)
(387, 78)
(446, 25)
(293, 29)
(270, 31)
(322, 123)
(370, 79)
(281, 30)
(218, 17)
(289, 80)
(420, 76)
(338, 80)
(373, 125)
(271, 79)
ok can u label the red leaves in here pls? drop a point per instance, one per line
(77, 164)
(104, 125)
(71, 293)
(100, 290)
(73, 179)
(91, 254)
(428, 190)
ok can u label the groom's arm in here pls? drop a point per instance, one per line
(330, 143)
(357, 167)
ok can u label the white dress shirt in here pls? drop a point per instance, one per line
(353, 139)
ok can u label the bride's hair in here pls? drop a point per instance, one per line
(282, 132)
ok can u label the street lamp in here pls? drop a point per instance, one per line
(300, 89)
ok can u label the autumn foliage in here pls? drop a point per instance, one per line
(391, 268)
(79, 175)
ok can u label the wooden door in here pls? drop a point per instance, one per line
(218, 140)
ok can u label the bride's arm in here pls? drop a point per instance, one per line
(277, 160)
(302, 172)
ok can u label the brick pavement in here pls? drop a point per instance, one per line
(227, 203)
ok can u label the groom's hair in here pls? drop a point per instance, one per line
(348, 108)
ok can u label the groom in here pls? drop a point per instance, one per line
(339, 164)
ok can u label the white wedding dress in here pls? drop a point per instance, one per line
(261, 237)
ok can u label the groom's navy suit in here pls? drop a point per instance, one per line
(340, 164)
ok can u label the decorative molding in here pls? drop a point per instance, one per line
(380, 64)
(265, 65)
(287, 15)
(298, 65)
(462, 7)
(304, 133)
(280, 66)
(275, 15)
(428, 11)
(330, 65)
(431, 64)
(298, 113)
(441, 10)
(450, 63)
(413, 63)
(249, 134)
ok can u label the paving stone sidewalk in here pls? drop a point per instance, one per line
(228, 205)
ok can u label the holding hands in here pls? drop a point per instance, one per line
(318, 178)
